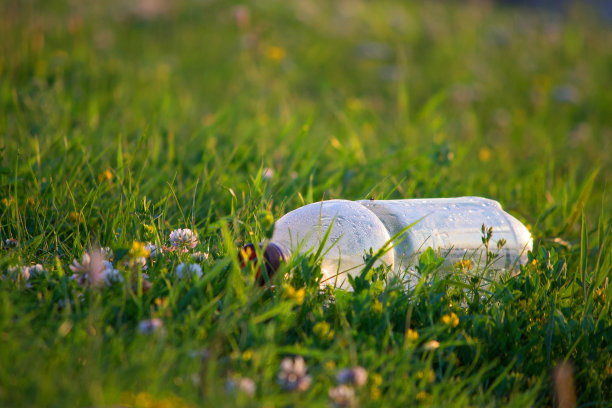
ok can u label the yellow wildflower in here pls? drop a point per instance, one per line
(377, 307)
(599, 295)
(275, 53)
(323, 331)
(376, 379)
(422, 396)
(298, 294)
(428, 375)
(105, 176)
(374, 393)
(451, 319)
(75, 217)
(464, 265)
(247, 355)
(330, 365)
(138, 250)
(412, 335)
(484, 154)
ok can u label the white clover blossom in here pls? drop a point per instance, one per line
(183, 239)
(293, 374)
(95, 270)
(357, 376)
(152, 248)
(199, 256)
(18, 272)
(342, 396)
(267, 173)
(140, 262)
(245, 385)
(35, 270)
(107, 253)
(11, 243)
(25, 272)
(150, 326)
(184, 270)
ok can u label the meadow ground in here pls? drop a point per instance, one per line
(123, 121)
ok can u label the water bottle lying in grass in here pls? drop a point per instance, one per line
(397, 232)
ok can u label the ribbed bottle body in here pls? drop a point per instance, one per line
(451, 226)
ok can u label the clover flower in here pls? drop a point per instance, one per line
(342, 396)
(11, 243)
(150, 326)
(107, 253)
(152, 248)
(188, 270)
(183, 239)
(200, 256)
(18, 272)
(293, 374)
(94, 269)
(267, 173)
(244, 385)
(357, 376)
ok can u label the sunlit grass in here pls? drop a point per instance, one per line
(120, 124)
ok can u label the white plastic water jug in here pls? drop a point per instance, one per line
(451, 226)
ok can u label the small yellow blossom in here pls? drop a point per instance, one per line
(275, 53)
(412, 335)
(484, 154)
(323, 331)
(535, 263)
(247, 355)
(377, 379)
(422, 396)
(149, 229)
(354, 104)
(298, 294)
(330, 365)
(428, 375)
(374, 393)
(105, 176)
(246, 253)
(451, 319)
(464, 265)
(599, 295)
(75, 217)
(377, 307)
(138, 250)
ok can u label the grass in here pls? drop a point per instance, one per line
(119, 124)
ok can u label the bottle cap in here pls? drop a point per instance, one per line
(273, 255)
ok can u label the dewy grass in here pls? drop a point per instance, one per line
(121, 123)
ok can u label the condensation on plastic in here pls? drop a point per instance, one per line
(451, 226)
(354, 229)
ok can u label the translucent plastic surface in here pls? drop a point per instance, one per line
(354, 230)
(451, 226)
